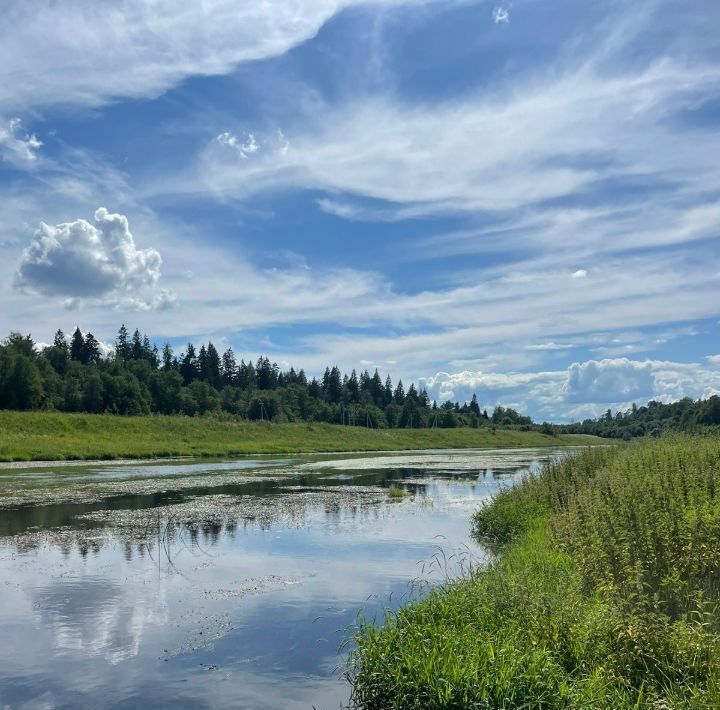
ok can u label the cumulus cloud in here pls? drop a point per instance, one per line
(610, 380)
(579, 274)
(584, 389)
(17, 146)
(81, 260)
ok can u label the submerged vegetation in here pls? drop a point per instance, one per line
(45, 436)
(605, 594)
(396, 492)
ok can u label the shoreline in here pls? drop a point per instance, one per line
(62, 438)
(42, 463)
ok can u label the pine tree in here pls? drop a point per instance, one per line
(188, 366)
(377, 389)
(122, 346)
(167, 358)
(203, 371)
(91, 350)
(59, 341)
(136, 347)
(213, 366)
(353, 387)
(77, 346)
(399, 396)
(229, 367)
(388, 393)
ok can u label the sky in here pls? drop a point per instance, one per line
(516, 198)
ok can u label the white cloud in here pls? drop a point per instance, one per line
(17, 146)
(532, 143)
(550, 346)
(583, 390)
(579, 274)
(89, 53)
(79, 260)
(243, 148)
(500, 15)
(607, 381)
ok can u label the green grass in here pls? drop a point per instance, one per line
(604, 595)
(396, 492)
(47, 436)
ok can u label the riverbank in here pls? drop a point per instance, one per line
(49, 436)
(605, 594)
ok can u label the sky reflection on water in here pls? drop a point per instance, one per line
(173, 601)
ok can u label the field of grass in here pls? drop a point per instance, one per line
(47, 436)
(604, 595)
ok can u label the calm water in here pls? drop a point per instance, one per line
(220, 584)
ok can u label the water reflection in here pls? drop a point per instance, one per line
(233, 593)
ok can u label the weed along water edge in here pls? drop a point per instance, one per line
(223, 583)
(604, 594)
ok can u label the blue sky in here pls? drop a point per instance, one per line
(518, 199)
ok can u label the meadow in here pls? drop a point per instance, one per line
(603, 594)
(47, 436)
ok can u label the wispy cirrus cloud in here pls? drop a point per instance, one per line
(88, 53)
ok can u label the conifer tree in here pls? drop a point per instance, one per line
(167, 358)
(122, 346)
(77, 346)
(91, 352)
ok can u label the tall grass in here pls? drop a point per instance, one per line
(605, 594)
(53, 435)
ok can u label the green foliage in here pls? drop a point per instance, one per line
(605, 595)
(653, 419)
(396, 492)
(73, 376)
(55, 435)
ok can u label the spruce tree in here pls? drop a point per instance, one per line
(59, 341)
(122, 346)
(92, 350)
(77, 346)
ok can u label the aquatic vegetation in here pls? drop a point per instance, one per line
(396, 492)
(604, 595)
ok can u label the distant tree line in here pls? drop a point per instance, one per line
(137, 377)
(652, 419)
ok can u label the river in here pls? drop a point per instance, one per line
(204, 584)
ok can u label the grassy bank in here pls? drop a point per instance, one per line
(46, 436)
(605, 594)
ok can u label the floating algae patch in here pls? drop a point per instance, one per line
(77, 492)
(281, 507)
(440, 460)
(199, 519)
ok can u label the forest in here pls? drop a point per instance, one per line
(137, 378)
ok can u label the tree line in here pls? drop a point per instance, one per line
(652, 419)
(136, 378)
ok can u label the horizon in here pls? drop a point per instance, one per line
(514, 199)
